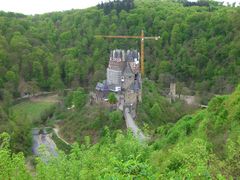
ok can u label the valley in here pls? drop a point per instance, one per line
(126, 89)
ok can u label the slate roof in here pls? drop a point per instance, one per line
(102, 86)
(121, 55)
(99, 86)
(128, 69)
(131, 55)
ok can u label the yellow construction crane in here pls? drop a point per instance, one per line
(142, 37)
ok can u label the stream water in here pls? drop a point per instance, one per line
(43, 145)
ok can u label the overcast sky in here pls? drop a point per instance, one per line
(43, 6)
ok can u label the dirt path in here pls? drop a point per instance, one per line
(56, 130)
(50, 98)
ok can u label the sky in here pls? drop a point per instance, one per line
(31, 7)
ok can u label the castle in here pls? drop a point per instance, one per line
(123, 76)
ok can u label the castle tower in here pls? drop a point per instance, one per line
(123, 74)
(114, 70)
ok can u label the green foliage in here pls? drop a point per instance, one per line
(33, 111)
(191, 148)
(183, 161)
(21, 140)
(120, 158)
(12, 166)
(68, 99)
(72, 70)
(11, 77)
(199, 45)
(233, 157)
(61, 144)
(116, 117)
(216, 127)
(3, 116)
(38, 73)
(116, 6)
(56, 81)
(90, 120)
(23, 117)
(112, 98)
(79, 98)
(19, 42)
(196, 147)
(165, 67)
(157, 110)
(7, 100)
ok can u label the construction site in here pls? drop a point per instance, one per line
(124, 77)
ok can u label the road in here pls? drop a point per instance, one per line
(132, 125)
(56, 130)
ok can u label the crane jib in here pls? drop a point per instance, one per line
(142, 38)
(128, 37)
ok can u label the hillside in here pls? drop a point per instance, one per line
(209, 138)
(198, 46)
(58, 53)
(203, 146)
(198, 49)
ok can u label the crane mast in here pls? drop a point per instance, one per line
(142, 54)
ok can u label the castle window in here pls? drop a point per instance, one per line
(135, 78)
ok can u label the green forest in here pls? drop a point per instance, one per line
(205, 145)
(58, 52)
(198, 46)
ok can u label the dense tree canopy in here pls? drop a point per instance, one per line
(198, 49)
(56, 50)
(204, 145)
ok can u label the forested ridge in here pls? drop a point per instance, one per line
(198, 49)
(198, 46)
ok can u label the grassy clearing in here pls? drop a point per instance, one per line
(34, 110)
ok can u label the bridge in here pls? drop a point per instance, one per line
(130, 123)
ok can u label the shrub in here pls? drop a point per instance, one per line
(112, 98)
